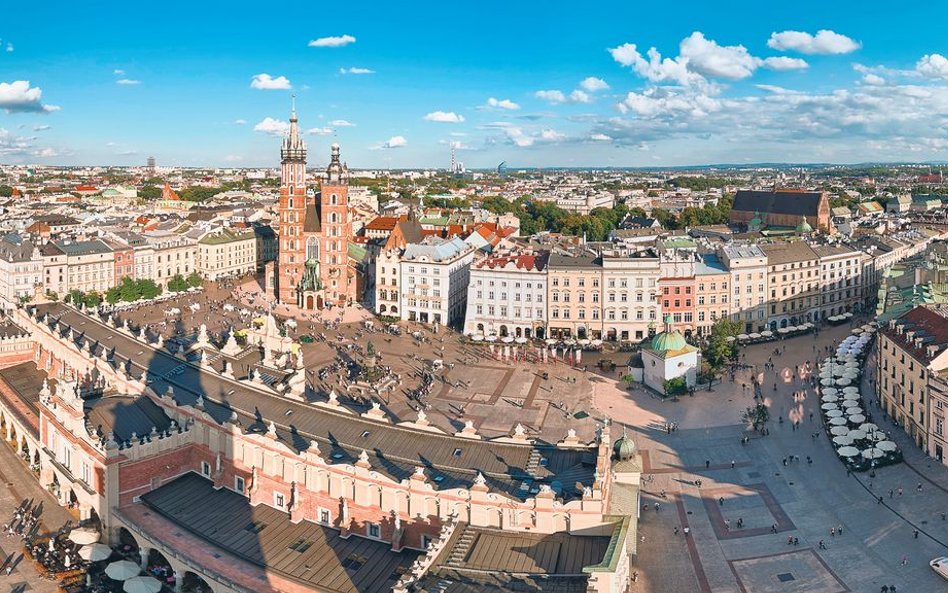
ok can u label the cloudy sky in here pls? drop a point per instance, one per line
(397, 84)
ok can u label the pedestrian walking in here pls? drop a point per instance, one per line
(915, 533)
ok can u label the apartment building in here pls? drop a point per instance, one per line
(678, 258)
(748, 267)
(387, 274)
(841, 280)
(574, 291)
(436, 273)
(793, 274)
(712, 292)
(225, 253)
(630, 302)
(78, 265)
(507, 295)
(21, 270)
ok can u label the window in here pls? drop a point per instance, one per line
(300, 545)
(373, 530)
(239, 484)
(205, 469)
(325, 517)
(279, 501)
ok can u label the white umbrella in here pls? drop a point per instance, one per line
(838, 421)
(767, 333)
(868, 427)
(844, 381)
(848, 451)
(521, 340)
(827, 382)
(853, 410)
(851, 399)
(598, 342)
(857, 330)
(122, 570)
(507, 339)
(95, 552)
(857, 435)
(834, 413)
(886, 446)
(829, 402)
(729, 339)
(830, 391)
(477, 338)
(754, 336)
(783, 330)
(851, 389)
(584, 342)
(839, 430)
(878, 435)
(857, 418)
(843, 440)
(142, 585)
(872, 453)
(491, 338)
(742, 336)
(83, 536)
(550, 341)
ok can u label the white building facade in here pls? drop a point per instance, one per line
(507, 296)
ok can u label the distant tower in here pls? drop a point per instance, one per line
(150, 164)
(454, 167)
(292, 213)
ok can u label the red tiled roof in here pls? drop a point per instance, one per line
(524, 261)
(931, 321)
(382, 223)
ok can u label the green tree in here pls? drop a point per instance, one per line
(194, 280)
(113, 295)
(177, 284)
(676, 386)
(756, 416)
(718, 349)
(148, 289)
(92, 299)
(6, 191)
(149, 192)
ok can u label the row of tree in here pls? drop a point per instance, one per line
(130, 290)
(179, 283)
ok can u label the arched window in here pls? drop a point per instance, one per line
(312, 248)
(333, 217)
(333, 199)
(291, 202)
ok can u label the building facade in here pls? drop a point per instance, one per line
(506, 296)
(435, 274)
(225, 253)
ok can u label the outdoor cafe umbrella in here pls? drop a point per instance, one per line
(857, 418)
(830, 391)
(826, 382)
(844, 381)
(843, 440)
(477, 338)
(853, 410)
(857, 330)
(95, 552)
(851, 389)
(872, 453)
(868, 427)
(142, 585)
(766, 333)
(521, 340)
(491, 338)
(829, 402)
(852, 398)
(783, 330)
(886, 446)
(834, 413)
(741, 336)
(754, 336)
(83, 536)
(729, 339)
(838, 421)
(122, 570)
(857, 435)
(878, 435)
(848, 451)
(839, 430)
(507, 339)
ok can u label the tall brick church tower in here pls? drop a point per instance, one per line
(337, 277)
(292, 212)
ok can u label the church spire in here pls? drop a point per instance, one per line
(293, 154)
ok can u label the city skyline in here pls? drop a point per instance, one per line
(563, 88)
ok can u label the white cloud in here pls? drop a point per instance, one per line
(655, 68)
(11, 145)
(824, 42)
(579, 96)
(660, 102)
(19, 96)
(46, 153)
(933, 66)
(265, 82)
(551, 96)
(449, 117)
(393, 142)
(781, 63)
(549, 135)
(502, 104)
(593, 84)
(319, 131)
(600, 137)
(354, 70)
(274, 127)
(338, 41)
(240, 122)
(341, 123)
(9, 48)
(707, 58)
(118, 72)
(872, 79)
(127, 82)
(42, 128)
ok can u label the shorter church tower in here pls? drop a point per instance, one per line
(338, 279)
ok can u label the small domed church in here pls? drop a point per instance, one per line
(313, 269)
(669, 356)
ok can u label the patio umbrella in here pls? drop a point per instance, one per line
(829, 402)
(491, 338)
(853, 410)
(843, 440)
(742, 336)
(834, 413)
(857, 435)
(886, 446)
(783, 330)
(754, 336)
(95, 552)
(729, 339)
(851, 398)
(477, 338)
(122, 570)
(857, 331)
(766, 333)
(839, 430)
(868, 427)
(142, 585)
(878, 435)
(507, 339)
(851, 389)
(847, 451)
(838, 421)
(83, 536)
(827, 382)
(830, 391)
(843, 381)
(521, 340)
(857, 418)
(872, 453)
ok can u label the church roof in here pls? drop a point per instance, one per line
(794, 202)
(312, 219)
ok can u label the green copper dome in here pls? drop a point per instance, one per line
(624, 448)
(804, 226)
(668, 339)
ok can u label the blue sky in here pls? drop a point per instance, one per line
(551, 84)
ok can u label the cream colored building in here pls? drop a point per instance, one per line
(574, 301)
(630, 295)
(712, 292)
(748, 267)
(841, 279)
(793, 273)
(78, 265)
(173, 255)
(225, 253)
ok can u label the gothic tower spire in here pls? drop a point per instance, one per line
(293, 155)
